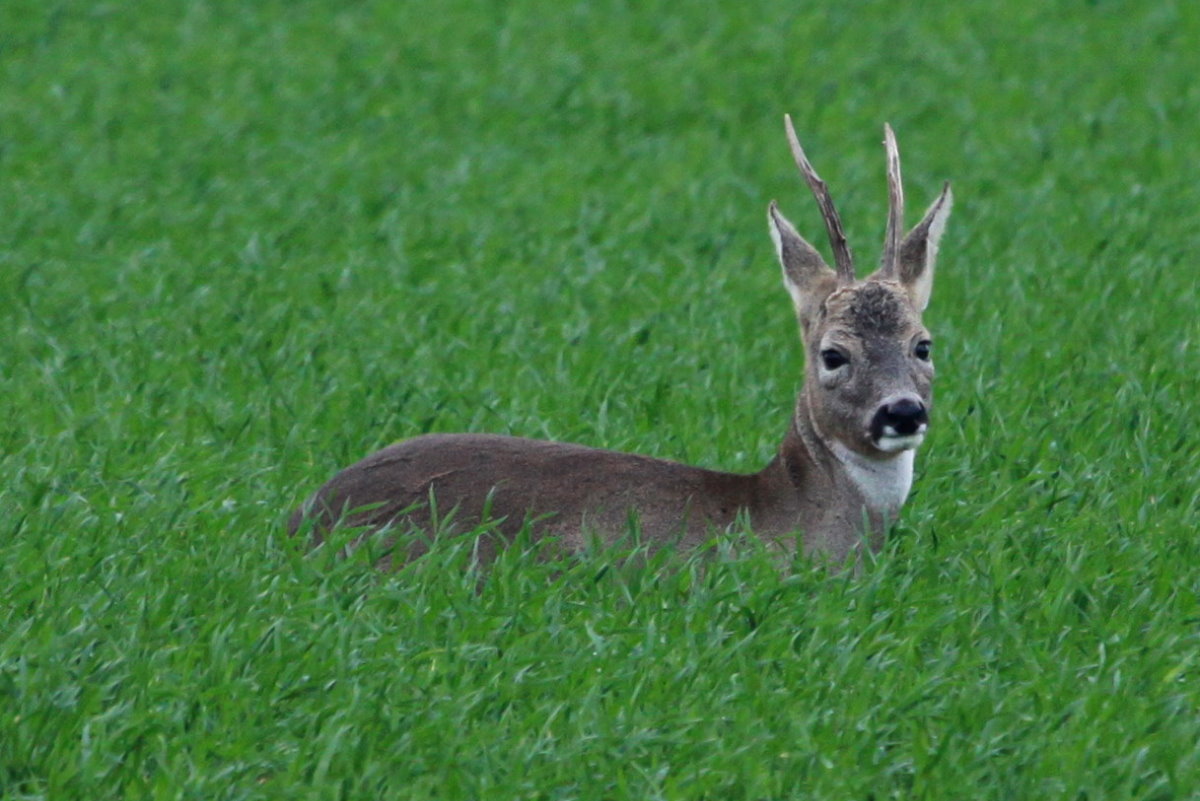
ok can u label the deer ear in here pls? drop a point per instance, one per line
(805, 274)
(918, 251)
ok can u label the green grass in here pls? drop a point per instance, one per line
(244, 244)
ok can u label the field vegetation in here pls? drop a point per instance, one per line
(244, 244)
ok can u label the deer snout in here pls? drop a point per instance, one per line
(899, 424)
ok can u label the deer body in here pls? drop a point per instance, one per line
(841, 473)
(573, 491)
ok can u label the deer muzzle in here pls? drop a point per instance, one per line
(899, 424)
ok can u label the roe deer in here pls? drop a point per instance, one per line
(842, 472)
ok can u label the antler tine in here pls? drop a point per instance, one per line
(833, 223)
(895, 221)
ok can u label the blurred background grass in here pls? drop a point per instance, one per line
(242, 245)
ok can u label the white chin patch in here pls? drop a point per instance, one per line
(894, 443)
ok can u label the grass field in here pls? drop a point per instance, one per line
(244, 244)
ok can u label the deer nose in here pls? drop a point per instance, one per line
(900, 418)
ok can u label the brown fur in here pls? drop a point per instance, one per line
(877, 309)
(808, 491)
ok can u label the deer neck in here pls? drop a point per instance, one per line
(883, 483)
(880, 485)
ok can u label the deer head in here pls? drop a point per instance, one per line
(869, 374)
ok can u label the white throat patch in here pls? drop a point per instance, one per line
(884, 483)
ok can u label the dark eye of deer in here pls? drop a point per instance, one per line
(921, 351)
(833, 359)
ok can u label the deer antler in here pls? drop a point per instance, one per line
(833, 223)
(891, 243)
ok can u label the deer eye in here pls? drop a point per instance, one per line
(921, 351)
(833, 359)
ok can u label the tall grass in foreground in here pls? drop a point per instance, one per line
(242, 245)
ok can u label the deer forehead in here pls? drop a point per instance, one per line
(872, 310)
